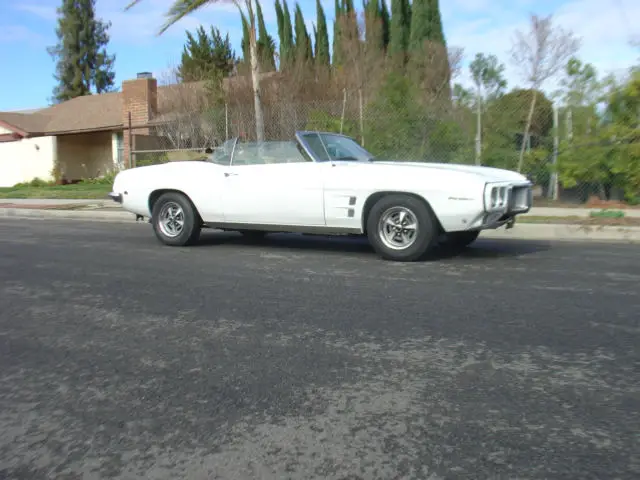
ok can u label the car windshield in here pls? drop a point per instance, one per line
(222, 154)
(333, 147)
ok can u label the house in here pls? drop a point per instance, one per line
(83, 137)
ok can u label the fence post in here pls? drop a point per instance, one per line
(361, 116)
(226, 120)
(344, 106)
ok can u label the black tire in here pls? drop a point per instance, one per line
(427, 230)
(460, 239)
(190, 232)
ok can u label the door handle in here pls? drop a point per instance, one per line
(228, 174)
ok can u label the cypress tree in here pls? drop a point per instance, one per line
(322, 37)
(427, 33)
(386, 21)
(266, 45)
(420, 26)
(337, 33)
(399, 28)
(374, 34)
(303, 48)
(244, 44)
(288, 34)
(81, 58)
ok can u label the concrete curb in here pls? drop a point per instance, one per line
(558, 231)
(521, 231)
(87, 215)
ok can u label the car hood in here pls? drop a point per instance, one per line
(489, 174)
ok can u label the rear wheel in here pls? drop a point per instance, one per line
(460, 239)
(175, 220)
(401, 228)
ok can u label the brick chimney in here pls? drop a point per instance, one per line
(140, 99)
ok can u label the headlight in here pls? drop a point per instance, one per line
(496, 197)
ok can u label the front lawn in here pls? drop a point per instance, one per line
(75, 191)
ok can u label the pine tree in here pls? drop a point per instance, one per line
(322, 37)
(206, 55)
(82, 61)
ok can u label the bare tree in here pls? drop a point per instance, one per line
(541, 53)
(191, 117)
(182, 8)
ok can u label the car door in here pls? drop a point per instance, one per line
(273, 183)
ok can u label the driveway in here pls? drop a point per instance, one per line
(305, 357)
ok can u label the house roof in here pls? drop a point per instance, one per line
(98, 112)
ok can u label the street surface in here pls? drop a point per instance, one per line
(311, 358)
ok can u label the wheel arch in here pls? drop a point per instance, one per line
(156, 194)
(374, 197)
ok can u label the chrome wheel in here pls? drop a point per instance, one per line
(171, 219)
(398, 228)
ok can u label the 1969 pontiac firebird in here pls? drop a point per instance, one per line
(323, 183)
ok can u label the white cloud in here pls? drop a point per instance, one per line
(21, 34)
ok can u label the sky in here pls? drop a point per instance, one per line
(27, 28)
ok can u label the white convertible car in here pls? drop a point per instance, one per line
(323, 183)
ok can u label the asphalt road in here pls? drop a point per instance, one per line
(311, 358)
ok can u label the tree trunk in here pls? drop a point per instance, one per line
(527, 128)
(478, 127)
(255, 79)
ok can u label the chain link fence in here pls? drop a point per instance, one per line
(571, 156)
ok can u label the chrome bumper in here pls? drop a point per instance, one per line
(116, 197)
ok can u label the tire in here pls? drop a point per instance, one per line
(415, 246)
(460, 239)
(170, 233)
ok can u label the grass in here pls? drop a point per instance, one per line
(75, 191)
(575, 220)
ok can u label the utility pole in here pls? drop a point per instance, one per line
(478, 126)
(554, 174)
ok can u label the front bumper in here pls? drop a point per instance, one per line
(116, 197)
(514, 199)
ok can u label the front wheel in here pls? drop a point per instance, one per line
(401, 228)
(175, 220)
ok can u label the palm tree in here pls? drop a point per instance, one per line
(182, 8)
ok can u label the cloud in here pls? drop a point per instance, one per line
(21, 34)
(141, 23)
